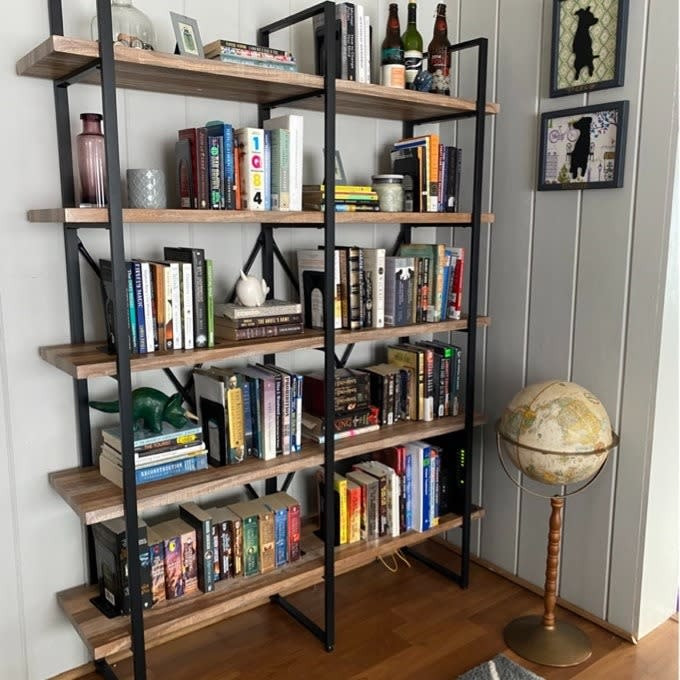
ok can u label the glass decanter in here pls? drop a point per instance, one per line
(130, 26)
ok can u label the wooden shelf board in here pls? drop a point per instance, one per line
(100, 216)
(90, 360)
(95, 499)
(58, 56)
(105, 637)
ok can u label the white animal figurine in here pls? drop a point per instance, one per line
(250, 291)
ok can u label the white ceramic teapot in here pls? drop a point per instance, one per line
(251, 291)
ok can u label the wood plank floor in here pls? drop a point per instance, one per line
(410, 624)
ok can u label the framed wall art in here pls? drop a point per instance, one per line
(588, 45)
(187, 36)
(583, 148)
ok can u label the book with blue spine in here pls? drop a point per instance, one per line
(226, 130)
(279, 507)
(153, 473)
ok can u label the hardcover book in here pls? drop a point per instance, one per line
(250, 142)
(268, 308)
(294, 123)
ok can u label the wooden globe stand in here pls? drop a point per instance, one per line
(542, 639)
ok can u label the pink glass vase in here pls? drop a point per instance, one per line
(91, 161)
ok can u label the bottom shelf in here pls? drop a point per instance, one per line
(104, 637)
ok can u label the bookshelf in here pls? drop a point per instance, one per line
(67, 61)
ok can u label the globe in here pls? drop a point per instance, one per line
(555, 432)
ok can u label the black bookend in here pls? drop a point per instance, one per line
(214, 424)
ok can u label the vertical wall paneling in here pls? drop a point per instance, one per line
(641, 501)
(599, 330)
(509, 260)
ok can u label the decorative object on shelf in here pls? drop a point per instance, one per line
(187, 36)
(251, 291)
(130, 26)
(146, 188)
(439, 55)
(340, 176)
(413, 47)
(91, 161)
(588, 45)
(583, 148)
(390, 190)
(423, 81)
(556, 433)
(151, 407)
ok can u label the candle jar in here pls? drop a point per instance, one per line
(91, 161)
(390, 190)
(130, 26)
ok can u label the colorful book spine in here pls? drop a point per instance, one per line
(353, 512)
(154, 473)
(149, 311)
(216, 171)
(186, 282)
(201, 522)
(340, 485)
(210, 301)
(251, 151)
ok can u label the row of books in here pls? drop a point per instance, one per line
(407, 487)
(271, 319)
(198, 548)
(158, 455)
(431, 172)
(253, 410)
(232, 52)
(348, 198)
(352, 42)
(220, 167)
(423, 283)
(170, 301)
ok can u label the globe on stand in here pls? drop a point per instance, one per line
(556, 433)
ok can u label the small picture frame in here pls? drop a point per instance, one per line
(588, 45)
(583, 148)
(340, 177)
(187, 36)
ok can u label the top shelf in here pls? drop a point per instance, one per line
(58, 57)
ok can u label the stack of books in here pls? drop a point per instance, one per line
(348, 198)
(173, 451)
(353, 412)
(250, 55)
(273, 318)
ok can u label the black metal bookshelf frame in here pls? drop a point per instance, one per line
(267, 248)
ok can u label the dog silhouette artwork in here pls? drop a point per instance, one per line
(581, 151)
(583, 43)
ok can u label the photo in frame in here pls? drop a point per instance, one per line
(187, 36)
(588, 45)
(583, 148)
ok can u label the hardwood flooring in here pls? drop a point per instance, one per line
(412, 624)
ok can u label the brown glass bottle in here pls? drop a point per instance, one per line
(392, 52)
(438, 55)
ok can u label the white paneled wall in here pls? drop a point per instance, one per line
(573, 282)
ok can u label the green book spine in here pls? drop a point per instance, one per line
(210, 302)
(251, 546)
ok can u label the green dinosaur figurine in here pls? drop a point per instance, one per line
(150, 406)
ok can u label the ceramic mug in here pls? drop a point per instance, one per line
(146, 188)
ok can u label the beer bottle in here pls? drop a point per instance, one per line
(392, 52)
(438, 55)
(413, 48)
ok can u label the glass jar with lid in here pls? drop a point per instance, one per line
(390, 190)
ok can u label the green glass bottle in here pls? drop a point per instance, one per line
(413, 48)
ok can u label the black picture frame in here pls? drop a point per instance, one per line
(567, 160)
(594, 33)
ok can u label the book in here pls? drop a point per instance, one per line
(283, 499)
(250, 141)
(430, 145)
(228, 535)
(249, 516)
(185, 174)
(157, 566)
(217, 47)
(294, 123)
(227, 332)
(196, 257)
(153, 457)
(201, 522)
(353, 511)
(280, 168)
(111, 554)
(146, 440)
(268, 308)
(259, 62)
(267, 535)
(218, 128)
(399, 290)
(257, 321)
(370, 502)
(191, 463)
(374, 287)
(216, 171)
(279, 508)
(186, 535)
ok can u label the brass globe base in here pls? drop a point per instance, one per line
(564, 645)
